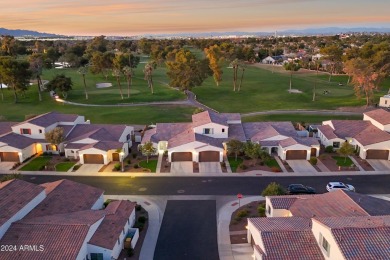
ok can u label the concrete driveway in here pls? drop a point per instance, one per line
(301, 166)
(89, 168)
(182, 167)
(6, 165)
(379, 165)
(210, 167)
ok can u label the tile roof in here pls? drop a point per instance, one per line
(58, 241)
(108, 232)
(231, 116)
(372, 135)
(259, 131)
(207, 117)
(281, 224)
(75, 146)
(148, 135)
(307, 141)
(269, 143)
(101, 132)
(382, 116)
(327, 131)
(165, 131)
(67, 129)
(50, 118)
(373, 206)
(19, 141)
(84, 217)
(103, 145)
(361, 238)
(236, 131)
(5, 127)
(185, 137)
(331, 204)
(349, 128)
(65, 196)
(14, 195)
(292, 245)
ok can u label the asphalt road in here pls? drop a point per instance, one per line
(374, 184)
(188, 231)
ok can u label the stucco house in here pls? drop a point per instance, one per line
(90, 143)
(385, 101)
(369, 136)
(204, 139)
(335, 225)
(68, 221)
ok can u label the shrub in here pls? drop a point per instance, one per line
(142, 219)
(329, 149)
(261, 211)
(76, 167)
(261, 163)
(62, 153)
(106, 203)
(134, 155)
(223, 164)
(136, 166)
(237, 218)
(117, 167)
(130, 252)
(273, 189)
(242, 213)
(140, 226)
(275, 169)
(165, 153)
(138, 207)
(128, 161)
(313, 160)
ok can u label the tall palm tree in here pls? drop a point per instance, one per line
(36, 69)
(243, 68)
(292, 66)
(83, 71)
(117, 74)
(128, 71)
(317, 64)
(234, 64)
(148, 75)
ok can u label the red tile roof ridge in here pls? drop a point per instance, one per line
(50, 186)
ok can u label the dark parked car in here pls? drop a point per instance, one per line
(300, 189)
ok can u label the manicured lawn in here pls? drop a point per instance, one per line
(272, 163)
(263, 90)
(64, 167)
(151, 165)
(299, 118)
(234, 164)
(341, 161)
(36, 164)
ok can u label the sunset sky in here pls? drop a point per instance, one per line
(135, 17)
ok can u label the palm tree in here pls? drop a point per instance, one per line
(117, 74)
(242, 77)
(83, 71)
(234, 65)
(148, 75)
(128, 71)
(292, 66)
(317, 64)
(36, 64)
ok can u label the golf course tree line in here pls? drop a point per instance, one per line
(187, 63)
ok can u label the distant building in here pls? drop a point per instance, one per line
(384, 101)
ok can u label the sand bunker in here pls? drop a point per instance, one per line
(295, 91)
(103, 85)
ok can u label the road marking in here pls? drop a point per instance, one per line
(147, 203)
(180, 191)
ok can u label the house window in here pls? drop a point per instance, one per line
(324, 244)
(40, 131)
(128, 137)
(385, 102)
(207, 131)
(96, 256)
(336, 144)
(50, 147)
(25, 131)
(223, 130)
(269, 210)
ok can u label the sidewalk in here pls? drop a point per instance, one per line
(241, 174)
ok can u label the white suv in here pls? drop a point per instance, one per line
(332, 186)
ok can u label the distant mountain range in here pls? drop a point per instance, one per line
(20, 33)
(308, 31)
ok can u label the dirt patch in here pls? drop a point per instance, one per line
(253, 164)
(165, 165)
(237, 227)
(331, 163)
(363, 163)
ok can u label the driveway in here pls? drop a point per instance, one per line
(379, 165)
(189, 236)
(89, 168)
(6, 165)
(182, 167)
(210, 167)
(301, 166)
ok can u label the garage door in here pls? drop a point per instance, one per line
(181, 157)
(378, 154)
(115, 157)
(93, 159)
(209, 156)
(9, 156)
(296, 155)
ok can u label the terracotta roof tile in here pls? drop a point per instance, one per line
(101, 132)
(65, 196)
(50, 118)
(165, 131)
(207, 117)
(19, 141)
(281, 224)
(382, 116)
(14, 195)
(327, 131)
(259, 131)
(148, 135)
(117, 214)
(5, 127)
(236, 131)
(372, 135)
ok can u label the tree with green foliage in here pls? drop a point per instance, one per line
(186, 71)
(235, 64)
(83, 71)
(55, 136)
(234, 147)
(148, 149)
(128, 72)
(333, 54)
(252, 150)
(11, 176)
(273, 189)
(116, 72)
(148, 71)
(36, 65)
(291, 66)
(214, 54)
(345, 150)
(60, 83)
